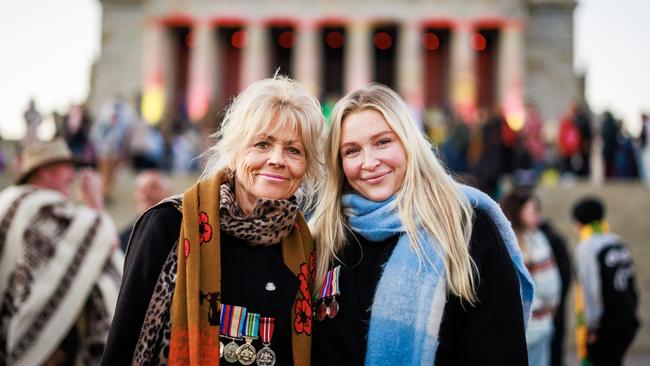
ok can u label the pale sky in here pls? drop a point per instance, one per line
(48, 48)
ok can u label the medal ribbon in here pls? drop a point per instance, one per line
(266, 329)
(331, 283)
(335, 281)
(252, 328)
(231, 320)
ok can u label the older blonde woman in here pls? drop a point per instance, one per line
(224, 271)
(429, 271)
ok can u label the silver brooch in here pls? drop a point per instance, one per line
(270, 286)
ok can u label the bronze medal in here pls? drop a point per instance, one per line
(321, 311)
(333, 308)
(246, 353)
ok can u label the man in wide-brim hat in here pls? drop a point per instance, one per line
(48, 164)
(60, 265)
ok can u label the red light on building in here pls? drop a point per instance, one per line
(383, 40)
(478, 42)
(335, 39)
(430, 41)
(286, 39)
(189, 39)
(239, 39)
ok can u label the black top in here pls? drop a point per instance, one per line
(490, 333)
(251, 276)
(618, 290)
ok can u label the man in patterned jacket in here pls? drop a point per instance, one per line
(60, 266)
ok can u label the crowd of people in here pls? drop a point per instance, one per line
(489, 150)
(118, 137)
(305, 242)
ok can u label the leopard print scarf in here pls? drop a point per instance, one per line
(270, 221)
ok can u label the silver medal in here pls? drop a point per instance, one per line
(220, 349)
(230, 352)
(265, 357)
(246, 354)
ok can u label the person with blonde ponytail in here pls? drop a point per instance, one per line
(424, 270)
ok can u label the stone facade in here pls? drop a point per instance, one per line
(533, 59)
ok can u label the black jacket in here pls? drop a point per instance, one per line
(251, 276)
(564, 266)
(490, 333)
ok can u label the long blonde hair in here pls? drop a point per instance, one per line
(254, 111)
(428, 193)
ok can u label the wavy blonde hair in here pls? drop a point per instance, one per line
(428, 193)
(256, 110)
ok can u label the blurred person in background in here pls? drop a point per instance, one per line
(33, 119)
(151, 187)
(523, 210)
(564, 265)
(110, 140)
(488, 161)
(523, 181)
(582, 121)
(77, 125)
(532, 136)
(644, 150)
(146, 145)
(609, 131)
(60, 263)
(569, 141)
(606, 293)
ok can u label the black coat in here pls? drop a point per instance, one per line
(563, 261)
(247, 273)
(490, 333)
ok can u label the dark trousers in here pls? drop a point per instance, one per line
(610, 347)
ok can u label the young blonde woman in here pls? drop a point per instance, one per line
(413, 268)
(224, 273)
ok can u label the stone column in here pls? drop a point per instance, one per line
(157, 72)
(202, 68)
(463, 72)
(256, 54)
(307, 56)
(358, 64)
(511, 73)
(410, 68)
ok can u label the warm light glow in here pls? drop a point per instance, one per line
(383, 40)
(239, 39)
(286, 39)
(515, 120)
(153, 105)
(189, 39)
(335, 39)
(198, 102)
(430, 41)
(479, 43)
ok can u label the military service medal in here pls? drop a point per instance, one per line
(328, 294)
(266, 356)
(246, 353)
(231, 324)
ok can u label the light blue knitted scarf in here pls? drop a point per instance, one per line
(410, 299)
